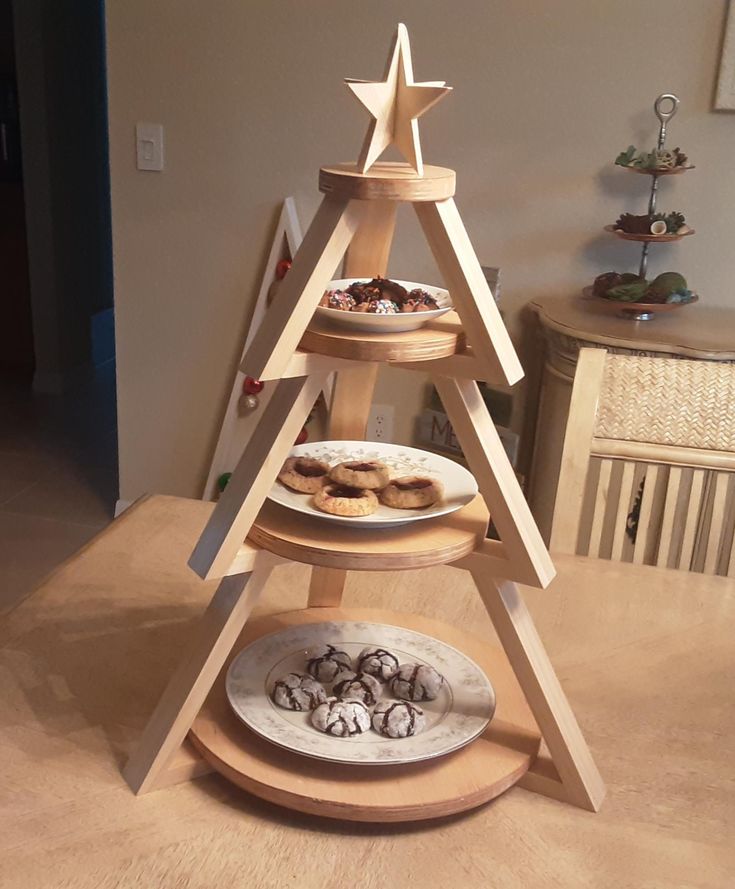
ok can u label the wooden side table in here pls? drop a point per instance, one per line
(568, 324)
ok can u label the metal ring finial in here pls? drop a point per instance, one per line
(665, 116)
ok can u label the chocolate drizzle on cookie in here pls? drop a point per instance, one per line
(382, 656)
(361, 686)
(333, 658)
(416, 682)
(411, 717)
(315, 695)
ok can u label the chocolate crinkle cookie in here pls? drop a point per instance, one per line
(398, 719)
(324, 662)
(377, 662)
(416, 682)
(358, 686)
(343, 719)
(294, 691)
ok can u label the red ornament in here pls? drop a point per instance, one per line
(251, 386)
(283, 266)
(303, 435)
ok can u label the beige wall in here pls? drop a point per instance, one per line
(251, 99)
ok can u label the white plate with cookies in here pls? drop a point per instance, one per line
(406, 478)
(398, 322)
(460, 711)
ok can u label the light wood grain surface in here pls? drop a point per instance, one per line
(416, 545)
(387, 181)
(645, 656)
(440, 338)
(701, 331)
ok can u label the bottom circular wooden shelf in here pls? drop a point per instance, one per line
(437, 541)
(454, 783)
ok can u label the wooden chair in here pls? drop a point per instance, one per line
(648, 467)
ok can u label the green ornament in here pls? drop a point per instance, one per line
(628, 293)
(222, 481)
(667, 283)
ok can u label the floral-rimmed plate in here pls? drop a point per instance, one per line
(460, 487)
(460, 713)
(397, 323)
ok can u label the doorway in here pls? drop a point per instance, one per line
(58, 435)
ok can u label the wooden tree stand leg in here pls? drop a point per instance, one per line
(258, 467)
(220, 626)
(573, 777)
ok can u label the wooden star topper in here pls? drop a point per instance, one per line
(395, 104)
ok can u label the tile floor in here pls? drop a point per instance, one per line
(58, 477)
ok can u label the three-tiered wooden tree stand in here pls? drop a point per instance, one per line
(246, 538)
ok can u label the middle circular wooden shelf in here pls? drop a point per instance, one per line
(438, 339)
(419, 545)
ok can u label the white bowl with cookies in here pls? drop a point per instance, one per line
(388, 306)
(371, 484)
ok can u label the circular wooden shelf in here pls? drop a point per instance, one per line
(387, 182)
(629, 236)
(419, 545)
(417, 791)
(439, 339)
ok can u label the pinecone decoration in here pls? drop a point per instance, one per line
(634, 225)
(663, 160)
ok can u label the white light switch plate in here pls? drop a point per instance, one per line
(149, 146)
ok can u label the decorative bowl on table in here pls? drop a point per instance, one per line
(631, 296)
(382, 305)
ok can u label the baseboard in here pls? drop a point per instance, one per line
(121, 506)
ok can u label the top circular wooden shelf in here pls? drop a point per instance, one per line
(438, 339)
(387, 182)
(419, 545)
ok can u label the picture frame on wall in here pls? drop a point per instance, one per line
(725, 92)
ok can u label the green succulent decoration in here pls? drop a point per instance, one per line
(625, 158)
(656, 159)
(674, 222)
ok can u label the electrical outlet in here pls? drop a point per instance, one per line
(380, 423)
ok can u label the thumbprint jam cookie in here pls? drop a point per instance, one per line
(412, 492)
(345, 500)
(367, 474)
(303, 474)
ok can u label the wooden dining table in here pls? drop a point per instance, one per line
(645, 656)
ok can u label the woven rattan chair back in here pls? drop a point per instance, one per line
(648, 467)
